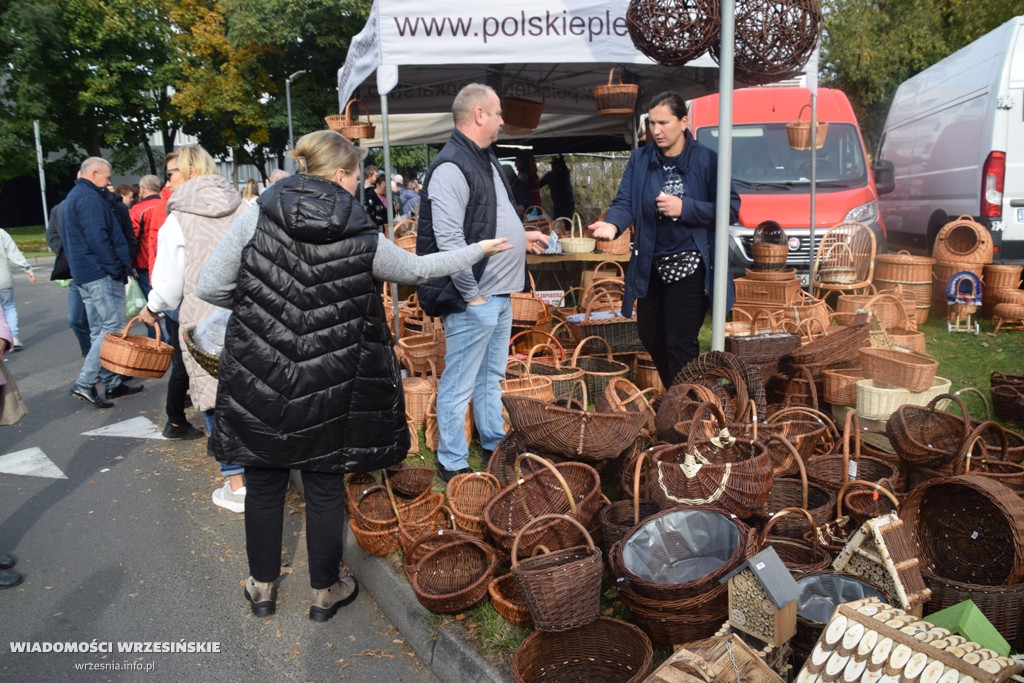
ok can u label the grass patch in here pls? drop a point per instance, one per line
(31, 240)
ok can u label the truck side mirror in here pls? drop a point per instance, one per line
(885, 176)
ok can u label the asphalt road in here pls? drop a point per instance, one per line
(121, 546)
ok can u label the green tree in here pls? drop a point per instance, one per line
(93, 73)
(870, 47)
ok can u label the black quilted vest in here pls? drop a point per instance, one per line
(439, 296)
(308, 377)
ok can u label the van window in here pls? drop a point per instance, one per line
(762, 158)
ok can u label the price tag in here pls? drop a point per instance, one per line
(974, 535)
(853, 470)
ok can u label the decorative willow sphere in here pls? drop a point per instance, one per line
(673, 32)
(774, 39)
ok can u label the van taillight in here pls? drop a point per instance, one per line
(992, 175)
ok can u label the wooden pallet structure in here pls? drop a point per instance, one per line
(721, 659)
(881, 553)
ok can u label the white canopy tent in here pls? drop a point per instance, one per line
(424, 53)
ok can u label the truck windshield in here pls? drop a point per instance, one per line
(763, 161)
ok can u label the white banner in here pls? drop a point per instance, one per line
(363, 58)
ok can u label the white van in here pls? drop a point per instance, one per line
(953, 145)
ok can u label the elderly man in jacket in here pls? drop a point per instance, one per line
(98, 257)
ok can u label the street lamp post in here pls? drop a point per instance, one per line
(288, 102)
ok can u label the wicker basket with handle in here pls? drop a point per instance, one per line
(575, 243)
(135, 355)
(615, 99)
(349, 125)
(520, 112)
(799, 133)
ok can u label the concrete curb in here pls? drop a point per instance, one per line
(450, 656)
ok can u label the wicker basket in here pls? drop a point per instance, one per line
(963, 241)
(770, 257)
(620, 334)
(605, 650)
(571, 488)
(926, 436)
(647, 376)
(468, 495)
(833, 470)
(576, 243)
(598, 371)
(207, 361)
(620, 245)
(910, 370)
(816, 500)
(1008, 317)
(799, 133)
(349, 125)
(968, 529)
(841, 386)
(454, 577)
(411, 481)
(1002, 605)
(735, 474)
(891, 307)
(527, 307)
(769, 293)
(795, 552)
(562, 588)
(507, 600)
(615, 99)
(1001, 276)
(878, 400)
(520, 112)
(135, 355)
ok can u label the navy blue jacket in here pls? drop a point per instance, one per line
(440, 296)
(636, 204)
(92, 239)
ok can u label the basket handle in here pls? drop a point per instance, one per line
(552, 341)
(773, 326)
(698, 414)
(456, 534)
(602, 296)
(542, 347)
(637, 470)
(543, 518)
(851, 429)
(978, 434)
(959, 401)
(875, 485)
(800, 115)
(611, 74)
(583, 342)
(348, 107)
(806, 326)
(984, 400)
(630, 390)
(512, 360)
(779, 515)
(461, 481)
(809, 377)
(124, 334)
(546, 463)
(391, 495)
(815, 415)
(613, 264)
(799, 464)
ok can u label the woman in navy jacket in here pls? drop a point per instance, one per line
(668, 194)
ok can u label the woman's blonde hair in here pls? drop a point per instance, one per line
(193, 156)
(321, 153)
(251, 190)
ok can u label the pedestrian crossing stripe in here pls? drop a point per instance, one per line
(31, 462)
(135, 428)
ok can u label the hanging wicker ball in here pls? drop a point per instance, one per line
(673, 32)
(774, 40)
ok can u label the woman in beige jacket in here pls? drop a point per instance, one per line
(202, 206)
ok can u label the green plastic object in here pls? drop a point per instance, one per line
(967, 620)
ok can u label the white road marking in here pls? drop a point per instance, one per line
(31, 462)
(135, 428)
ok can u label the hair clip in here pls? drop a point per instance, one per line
(300, 163)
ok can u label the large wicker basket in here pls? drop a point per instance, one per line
(135, 355)
(963, 241)
(605, 650)
(615, 99)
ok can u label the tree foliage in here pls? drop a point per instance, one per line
(870, 47)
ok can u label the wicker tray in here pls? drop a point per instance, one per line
(135, 355)
(910, 370)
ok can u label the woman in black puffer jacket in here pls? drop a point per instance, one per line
(308, 374)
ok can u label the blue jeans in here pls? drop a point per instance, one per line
(477, 352)
(104, 306)
(225, 469)
(10, 312)
(77, 319)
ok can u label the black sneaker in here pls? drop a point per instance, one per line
(446, 475)
(183, 431)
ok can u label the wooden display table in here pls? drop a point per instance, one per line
(563, 271)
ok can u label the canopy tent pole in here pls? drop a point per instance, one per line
(390, 201)
(721, 264)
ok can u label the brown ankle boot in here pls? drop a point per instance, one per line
(327, 601)
(260, 596)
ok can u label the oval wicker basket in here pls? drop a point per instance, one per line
(348, 125)
(963, 240)
(799, 133)
(135, 355)
(575, 243)
(605, 650)
(615, 99)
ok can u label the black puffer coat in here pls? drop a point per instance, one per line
(308, 375)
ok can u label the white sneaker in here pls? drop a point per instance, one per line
(232, 500)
